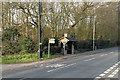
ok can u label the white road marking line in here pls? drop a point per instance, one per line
(113, 73)
(111, 52)
(101, 75)
(92, 58)
(114, 66)
(55, 65)
(111, 68)
(111, 76)
(89, 59)
(102, 55)
(106, 54)
(116, 70)
(98, 77)
(108, 70)
(86, 60)
(61, 67)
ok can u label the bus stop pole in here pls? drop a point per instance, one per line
(48, 50)
(64, 48)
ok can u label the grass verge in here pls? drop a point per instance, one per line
(24, 58)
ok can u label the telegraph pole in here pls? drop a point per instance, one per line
(94, 31)
(40, 51)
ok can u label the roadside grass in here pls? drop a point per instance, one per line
(24, 58)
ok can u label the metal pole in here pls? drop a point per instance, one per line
(94, 31)
(48, 50)
(40, 54)
(64, 48)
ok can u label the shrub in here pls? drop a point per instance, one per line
(10, 44)
(10, 48)
(86, 45)
(28, 45)
(55, 49)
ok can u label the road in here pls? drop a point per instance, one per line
(97, 65)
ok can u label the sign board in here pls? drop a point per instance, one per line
(52, 40)
(64, 41)
(65, 35)
(40, 43)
